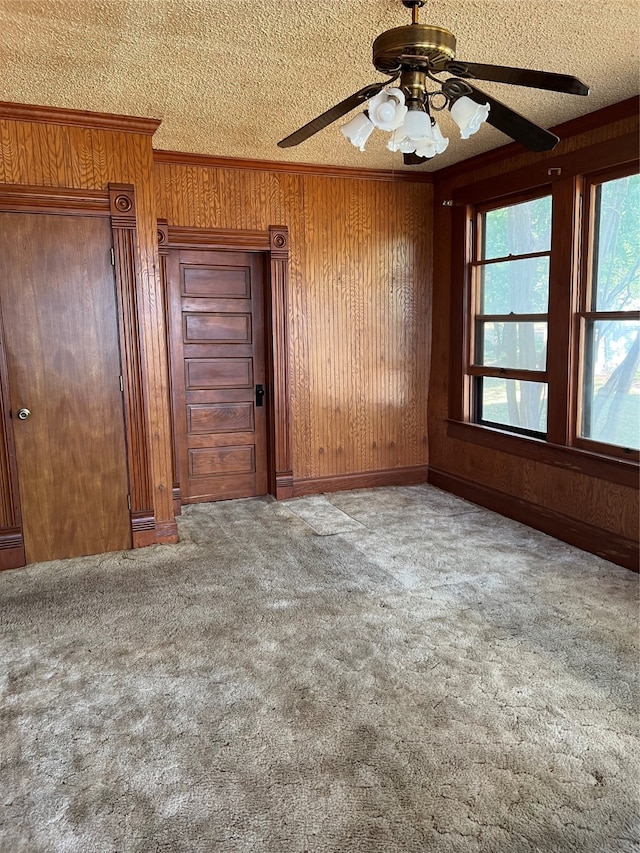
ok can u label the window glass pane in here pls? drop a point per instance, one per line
(519, 287)
(616, 273)
(522, 346)
(518, 229)
(513, 403)
(611, 402)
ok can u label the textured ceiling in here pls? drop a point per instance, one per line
(230, 78)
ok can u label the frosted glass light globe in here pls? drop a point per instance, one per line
(468, 115)
(416, 125)
(387, 110)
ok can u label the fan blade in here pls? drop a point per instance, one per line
(413, 159)
(518, 77)
(331, 115)
(513, 124)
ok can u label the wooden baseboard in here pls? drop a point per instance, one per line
(167, 532)
(610, 546)
(284, 486)
(12, 554)
(177, 500)
(363, 480)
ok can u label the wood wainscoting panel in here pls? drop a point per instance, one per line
(359, 296)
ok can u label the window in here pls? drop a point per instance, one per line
(511, 294)
(610, 410)
(549, 312)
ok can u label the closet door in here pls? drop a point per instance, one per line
(218, 366)
(61, 346)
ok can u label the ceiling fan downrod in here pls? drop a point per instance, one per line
(414, 5)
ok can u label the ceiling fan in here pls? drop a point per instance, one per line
(415, 57)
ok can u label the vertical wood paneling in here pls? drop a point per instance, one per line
(358, 303)
(66, 155)
(609, 506)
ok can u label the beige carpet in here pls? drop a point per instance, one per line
(380, 671)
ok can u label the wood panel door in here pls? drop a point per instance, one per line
(61, 344)
(216, 306)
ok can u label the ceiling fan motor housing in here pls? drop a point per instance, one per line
(397, 48)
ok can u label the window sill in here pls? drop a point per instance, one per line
(621, 471)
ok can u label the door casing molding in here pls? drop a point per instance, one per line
(274, 245)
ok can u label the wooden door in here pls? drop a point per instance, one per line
(57, 297)
(216, 306)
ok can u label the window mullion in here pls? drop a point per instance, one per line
(563, 288)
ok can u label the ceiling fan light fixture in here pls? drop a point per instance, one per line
(468, 115)
(416, 55)
(358, 130)
(387, 110)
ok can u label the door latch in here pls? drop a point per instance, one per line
(259, 395)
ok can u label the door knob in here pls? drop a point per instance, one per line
(259, 395)
(23, 414)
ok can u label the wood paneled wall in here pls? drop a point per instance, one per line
(593, 502)
(63, 148)
(359, 303)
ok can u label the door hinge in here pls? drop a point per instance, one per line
(121, 383)
(113, 258)
(129, 501)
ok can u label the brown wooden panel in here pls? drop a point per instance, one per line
(218, 373)
(217, 328)
(216, 281)
(64, 365)
(358, 293)
(220, 417)
(204, 462)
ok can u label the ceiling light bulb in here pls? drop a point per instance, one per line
(387, 109)
(468, 115)
(358, 130)
(385, 112)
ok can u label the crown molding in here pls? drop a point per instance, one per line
(182, 158)
(582, 124)
(78, 118)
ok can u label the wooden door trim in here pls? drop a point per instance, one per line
(19, 198)
(163, 254)
(118, 203)
(122, 207)
(274, 244)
